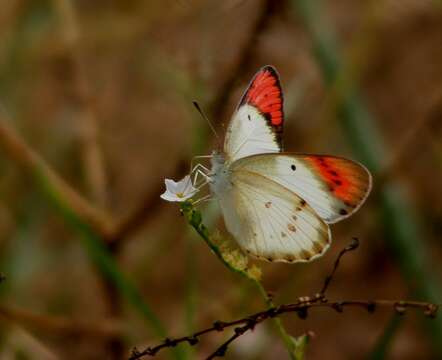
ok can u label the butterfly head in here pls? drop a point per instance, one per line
(218, 161)
(219, 173)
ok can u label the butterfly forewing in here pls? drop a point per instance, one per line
(256, 126)
(334, 187)
(271, 222)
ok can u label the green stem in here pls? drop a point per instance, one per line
(195, 220)
(277, 322)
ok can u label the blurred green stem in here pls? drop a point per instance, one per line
(195, 220)
(74, 210)
(105, 262)
(405, 238)
(288, 340)
(380, 350)
(21, 154)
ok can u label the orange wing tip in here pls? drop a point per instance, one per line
(265, 94)
(348, 181)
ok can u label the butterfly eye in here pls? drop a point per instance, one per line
(293, 167)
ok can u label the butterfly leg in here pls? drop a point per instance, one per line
(203, 199)
(205, 179)
(198, 157)
(201, 170)
(201, 167)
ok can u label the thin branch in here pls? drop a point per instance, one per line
(61, 325)
(241, 330)
(350, 247)
(300, 307)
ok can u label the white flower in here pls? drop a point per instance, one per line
(179, 191)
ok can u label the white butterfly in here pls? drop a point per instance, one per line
(278, 205)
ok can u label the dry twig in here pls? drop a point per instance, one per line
(300, 307)
(61, 325)
(87, 120)
(17, 149)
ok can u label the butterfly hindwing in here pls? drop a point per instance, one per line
(256, 126)
(334, 187)
(270, 222)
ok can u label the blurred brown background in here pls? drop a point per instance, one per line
(102, 90)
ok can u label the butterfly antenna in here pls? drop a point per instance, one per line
(197, 106)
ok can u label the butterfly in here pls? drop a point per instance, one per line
(279, 205)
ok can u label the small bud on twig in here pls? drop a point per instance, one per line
(134, 352)
(353, 245)
(302, 312)
(192, 340)
(338, 307)
(371, 307)
(240, 330)
(400, 308)
(221, 351)
(218, 325)
(272, 312)
(431, 310)
(169, 342)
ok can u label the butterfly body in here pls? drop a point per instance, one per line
(220, 181)
(278, 205)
